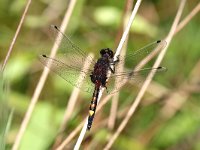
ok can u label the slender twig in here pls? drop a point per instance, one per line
(180, 26)
(113, 111)
(16, 35)
(53, 11)
(115, 99)
(188, 18)
(181, 95)
(77, 129)
(119, 48)
(84, 129)
(124, 36)
(171, 106)
(148, 80)
(42, 80)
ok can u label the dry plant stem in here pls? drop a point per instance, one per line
(154, 127)
(120, 113)
(42, 80)
(80, 139)
(115, 99)
(181, 95)
(84, 129)
(75, 131)
(188, 18)
(113, 111)
(153, 89)
(148, 80)
(16, 34)
(71, 136)
(53, 11)
(180, 26)
(174, 103)
(73, 97)
(124, 36)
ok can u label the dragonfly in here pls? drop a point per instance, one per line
(69, 67)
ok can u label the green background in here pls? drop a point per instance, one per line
(94, 25)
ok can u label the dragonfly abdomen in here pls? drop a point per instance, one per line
(92, 107)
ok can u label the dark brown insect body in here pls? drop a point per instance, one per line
(99, 78)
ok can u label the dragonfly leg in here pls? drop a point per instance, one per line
(117, 60)
(114, 62)
(92, 78)
(112, 69)
(112, 65)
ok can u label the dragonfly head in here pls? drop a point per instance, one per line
(106, 52)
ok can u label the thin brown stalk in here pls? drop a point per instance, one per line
(124, 36)
(113, 111)
(155, 126)
(42, 80)
(188, 18)
(115, 99)
(77, 129)
(181, 95)
(148, 80)
(53, 11)
(153, 89)
(180, 26)
(16, 34)
(171, 107)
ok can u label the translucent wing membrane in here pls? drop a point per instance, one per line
(69, 73)
(117, 81)
(135, 57)
(69, 65)
(68, 48)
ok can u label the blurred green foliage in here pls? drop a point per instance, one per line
(94, 25)
(5, 115)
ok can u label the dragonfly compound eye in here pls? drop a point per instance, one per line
(110, 53)
(107, 51)
(102, 52)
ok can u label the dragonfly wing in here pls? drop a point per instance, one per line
(68, 48)
(117, 81)
(70, 73)
(135, 57)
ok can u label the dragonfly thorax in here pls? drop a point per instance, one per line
(99, 74)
